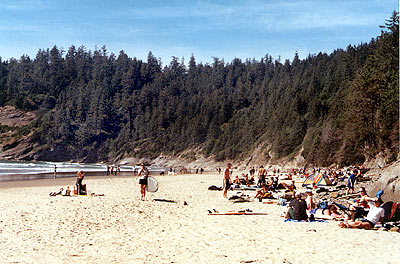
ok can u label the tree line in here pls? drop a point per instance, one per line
(338, 108)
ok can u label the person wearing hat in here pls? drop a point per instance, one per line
(376, 214)
(297, 208)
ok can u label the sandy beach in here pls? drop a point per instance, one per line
(119, 228)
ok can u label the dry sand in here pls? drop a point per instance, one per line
(119, 228)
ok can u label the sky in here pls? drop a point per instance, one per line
(225, 29)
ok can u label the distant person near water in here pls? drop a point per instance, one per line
(227, 179)
(143, 174)
(55, 171)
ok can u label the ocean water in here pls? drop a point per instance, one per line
(26, 170)
(22, 167)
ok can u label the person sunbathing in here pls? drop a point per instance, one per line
(236, 180)
(246, 179)
(376, 214)
(330, 212)
(333, 211)
(263, 192)
(359, 206)
(67, 192)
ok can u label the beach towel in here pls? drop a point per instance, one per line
(306, 221)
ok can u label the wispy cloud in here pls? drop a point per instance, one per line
(253, 14)
(24, 5)
(23, 27)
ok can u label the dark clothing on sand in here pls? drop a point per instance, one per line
(299, 211)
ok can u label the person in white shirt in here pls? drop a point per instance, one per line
(143, 174)
(376, 214)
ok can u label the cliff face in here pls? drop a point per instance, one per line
(388, 181)
(14, 139)
(12, 117)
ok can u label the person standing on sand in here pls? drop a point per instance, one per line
(55, 171)
(143, 174)
(261, 175)
(227, 179)
(81, 188)
(350, 183)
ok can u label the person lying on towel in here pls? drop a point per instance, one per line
(263, 192)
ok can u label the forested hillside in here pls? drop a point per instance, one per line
(339, 108)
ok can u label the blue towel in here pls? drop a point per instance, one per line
(379, 193)
(305, 221)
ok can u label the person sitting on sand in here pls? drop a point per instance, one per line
(362, 202)
(376, 214)
(236, 181)
(292, 186)
(67, 192)
(275, 183)
(310, 201)
(263, 192)
(297, 208)
(81, 188)
(246, 179)
(360, 206)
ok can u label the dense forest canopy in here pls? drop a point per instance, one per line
(338, 108)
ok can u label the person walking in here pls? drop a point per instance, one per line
(227, 179)
(143, 174)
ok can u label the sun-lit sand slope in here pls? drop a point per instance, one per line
(119, 228)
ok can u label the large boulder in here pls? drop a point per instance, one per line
(389, 182)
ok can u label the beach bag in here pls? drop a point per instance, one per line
(323, 204)
(282, 201)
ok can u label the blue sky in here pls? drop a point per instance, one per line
(225, 29)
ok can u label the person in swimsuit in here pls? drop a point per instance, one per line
(261, 175)
(143, 174)
(227, 179)
(81, 188)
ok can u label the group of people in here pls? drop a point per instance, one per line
(111, 170)
(303, 206)
(143, 176)
(266, 186)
